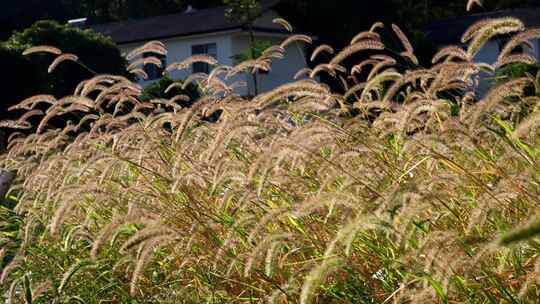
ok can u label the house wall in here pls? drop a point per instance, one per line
(489, 54)
(230, 44)
(266, 20)
(282, 70)
(233, 43)
(179, 49)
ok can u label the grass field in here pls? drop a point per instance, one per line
(410, 187)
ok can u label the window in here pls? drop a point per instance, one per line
(153, 71)
(203, 49)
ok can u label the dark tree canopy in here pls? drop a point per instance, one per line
(28, 75)
(20, 14)
(337, 23)
(319, 16)
(158, 89)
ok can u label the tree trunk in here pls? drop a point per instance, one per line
(92, 6)
(6, 179)
(121, 12)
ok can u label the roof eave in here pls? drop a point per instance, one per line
(232, 29)
(186, 35)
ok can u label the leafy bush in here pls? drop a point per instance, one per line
(257, 49)
(99, 54)
(286, 197)
(23, 81)
(28, 74)
(158, 89)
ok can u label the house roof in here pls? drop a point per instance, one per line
(449, 31)
(177, 25)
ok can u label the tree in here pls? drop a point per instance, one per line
(157, 90)
(20, 79)
(246, 11)
(27, 75)
(336, 24)
(201, 4)
(18, 15)
(95, 50)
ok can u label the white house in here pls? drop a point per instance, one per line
(449, 32)
(210, 32)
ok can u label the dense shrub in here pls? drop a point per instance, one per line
(287, 197)
(158, 89)
(21, 78)
(27, 75)
(99, 54)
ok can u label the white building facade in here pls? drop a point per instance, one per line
(449, 32)
(213, 34)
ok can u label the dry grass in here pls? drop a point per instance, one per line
(288, 197)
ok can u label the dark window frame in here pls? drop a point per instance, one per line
(209, 49)
(153, 71)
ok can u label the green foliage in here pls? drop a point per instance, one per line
(18, 15)
(516, 70)
(28, 75)
(246, 11)
(243, 10)
(525, 233)
(157, 90)
(109, 10)
(286, 197)
(410, 14)
(23, 79)
(98, 52)
(254, 52)
(10, 224)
